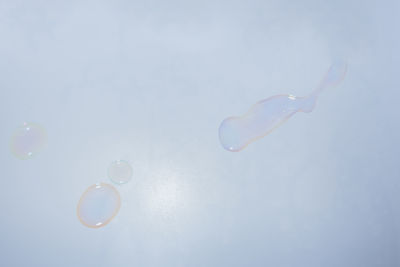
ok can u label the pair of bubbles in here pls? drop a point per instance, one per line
(100, 203)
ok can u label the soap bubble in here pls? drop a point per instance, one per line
(98, 205)
(120, 172)
(236, 132)
(28, 140)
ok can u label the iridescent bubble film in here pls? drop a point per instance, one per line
(98, 205)
(335, 75)
(236, 132)
(120, 172)
(28, 140)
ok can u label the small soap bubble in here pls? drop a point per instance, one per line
(120, 172)
(236, 132)
(28, 140)
(98, 205)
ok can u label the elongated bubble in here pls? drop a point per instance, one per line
(334, 75)
(98, 205)
(236, 132)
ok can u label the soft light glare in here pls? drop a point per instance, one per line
(167, 195)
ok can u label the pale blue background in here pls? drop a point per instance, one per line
(150, 82)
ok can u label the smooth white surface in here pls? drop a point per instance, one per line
(150, 82)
